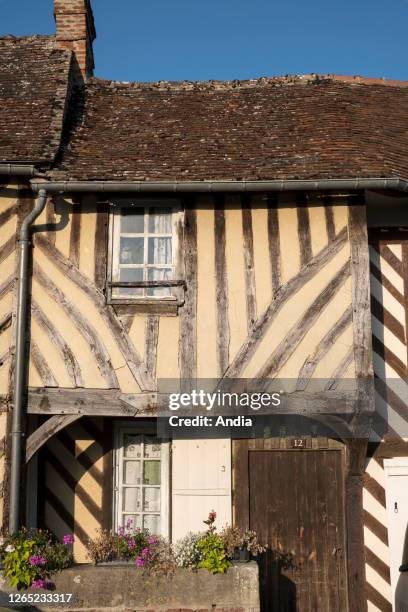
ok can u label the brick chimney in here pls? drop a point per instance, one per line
(76, 31)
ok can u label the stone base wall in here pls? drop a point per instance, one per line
(126, 588)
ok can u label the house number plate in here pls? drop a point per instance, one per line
(298, 442)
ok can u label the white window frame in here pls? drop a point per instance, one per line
(141, 428)
(177, 292)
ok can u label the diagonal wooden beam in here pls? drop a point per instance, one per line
(88, 331)
(7, 248)
(5, 215)
(67, 356)
(283, 295)
(338, 372)
(7, 285)
(324, 346)
(42, 367)
(290, 342)
(5, 322)
(129, 352)
(48, 429)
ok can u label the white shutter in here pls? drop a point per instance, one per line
(201, 482)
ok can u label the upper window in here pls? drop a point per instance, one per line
(144, 250)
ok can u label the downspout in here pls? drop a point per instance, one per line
(17, 432)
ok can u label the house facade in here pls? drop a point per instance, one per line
(206, 235)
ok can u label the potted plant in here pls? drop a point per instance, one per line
(241, 544)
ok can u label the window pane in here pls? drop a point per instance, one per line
(132, 447)
(131, 499)
(131, 472)
(131, 274)
(160, 251)
(159, 274)
(151, 448)
(132, 220)
(151, 499)
(152, 523)
(151, 472)
(160, 220)
(131, 250)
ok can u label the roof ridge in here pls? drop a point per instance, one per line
(296, 79)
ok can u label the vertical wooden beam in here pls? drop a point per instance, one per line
(249, 260)
(240, 486)
(151, 339)
(305, 239)
(75, 236)
(330, 225)
(188, 314)
(50, 220)
(355, 461)
(274, 242)
(360, 280)
(101, 245)
(221, 290)
(357, 448)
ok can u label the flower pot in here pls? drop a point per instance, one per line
(240, 555)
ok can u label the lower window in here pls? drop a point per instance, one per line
(141, 474)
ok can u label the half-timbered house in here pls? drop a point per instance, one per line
(206, 231)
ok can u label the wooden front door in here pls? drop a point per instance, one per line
(296, 504)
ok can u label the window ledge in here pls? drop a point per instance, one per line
(159, 307)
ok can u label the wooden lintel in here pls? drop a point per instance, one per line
(92, 402)
(113, 403)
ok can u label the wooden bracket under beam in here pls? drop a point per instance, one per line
(48, 429)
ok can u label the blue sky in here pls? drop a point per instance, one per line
(149, 40)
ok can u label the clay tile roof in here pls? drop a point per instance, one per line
(270, 128)
(33, 91)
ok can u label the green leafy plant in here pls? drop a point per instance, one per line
(214, 558)
(17, 568)
(211, 548)
(30, 557)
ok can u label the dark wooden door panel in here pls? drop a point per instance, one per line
(295, 504)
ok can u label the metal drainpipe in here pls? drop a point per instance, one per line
(17, 432)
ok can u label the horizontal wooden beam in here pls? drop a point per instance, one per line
(93, 402)
(155, 283)
(111, 402)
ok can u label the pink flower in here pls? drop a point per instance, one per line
(131, 543)
(38, 560)
(39, 584)
(140, 562)
(152, 540)
(212, 516)
(68, 539)
(145, 552)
